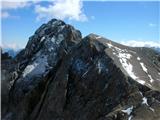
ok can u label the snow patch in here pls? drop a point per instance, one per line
(151, 79)
(98, 37)
(145, 101)
(146, 71)
(151, 109)
(128, 110)
(124, 60)
(143, 67)
(61, 28)
(149, 85)
(29, 69)
(42, 39)
(141, 81)
(138, 58)
(109, 45)
(50, 49)
(124, 57)
(99, 67)
(80, 66)
(126, 65)
(130, 117)
(60, 38)
(106, 86)
(38, 67)
(141, 93)
(53, 39)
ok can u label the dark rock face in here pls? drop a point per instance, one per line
(60, 76)
(7, 66)
(5, 56)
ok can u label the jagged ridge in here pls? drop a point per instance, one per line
(59, 75)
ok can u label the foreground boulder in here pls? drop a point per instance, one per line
(61, 76)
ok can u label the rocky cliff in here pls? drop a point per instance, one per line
(62, 76)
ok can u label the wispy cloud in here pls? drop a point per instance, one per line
(92, 17)
(62, 9)
(152, 25)
(6, 5)
(13, 46)
(5, 14)
(134, 43)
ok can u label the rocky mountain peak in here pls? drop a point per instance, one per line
(55, 32)
(62, 76)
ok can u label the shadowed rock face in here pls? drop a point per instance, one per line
(60, 76)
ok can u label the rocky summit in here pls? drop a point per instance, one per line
(62, 76)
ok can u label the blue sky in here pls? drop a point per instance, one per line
(118, 21)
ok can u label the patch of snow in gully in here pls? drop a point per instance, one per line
(38, 67)
(145, 101)
(143, 67)
(128, 110)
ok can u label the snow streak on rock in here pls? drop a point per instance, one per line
(124, 58)
(128, 110)
(146, 71)
(138, 58)
(98, 37)
(130, 117)
(141, 81)
(143, 67)
(145, 101)
(37, 67)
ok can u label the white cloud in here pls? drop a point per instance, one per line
(134, 43)
(5, 14)
(6, 5)
(62, 9)
(13, 46)
(152, 25)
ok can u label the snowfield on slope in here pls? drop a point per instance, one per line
(125, 57)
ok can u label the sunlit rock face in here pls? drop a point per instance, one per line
(62, 76)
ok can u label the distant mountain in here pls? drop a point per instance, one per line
(11, 51)
(62, 76)
(157, 49)
(148, 44)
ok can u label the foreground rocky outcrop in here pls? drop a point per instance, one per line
(62, 76)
